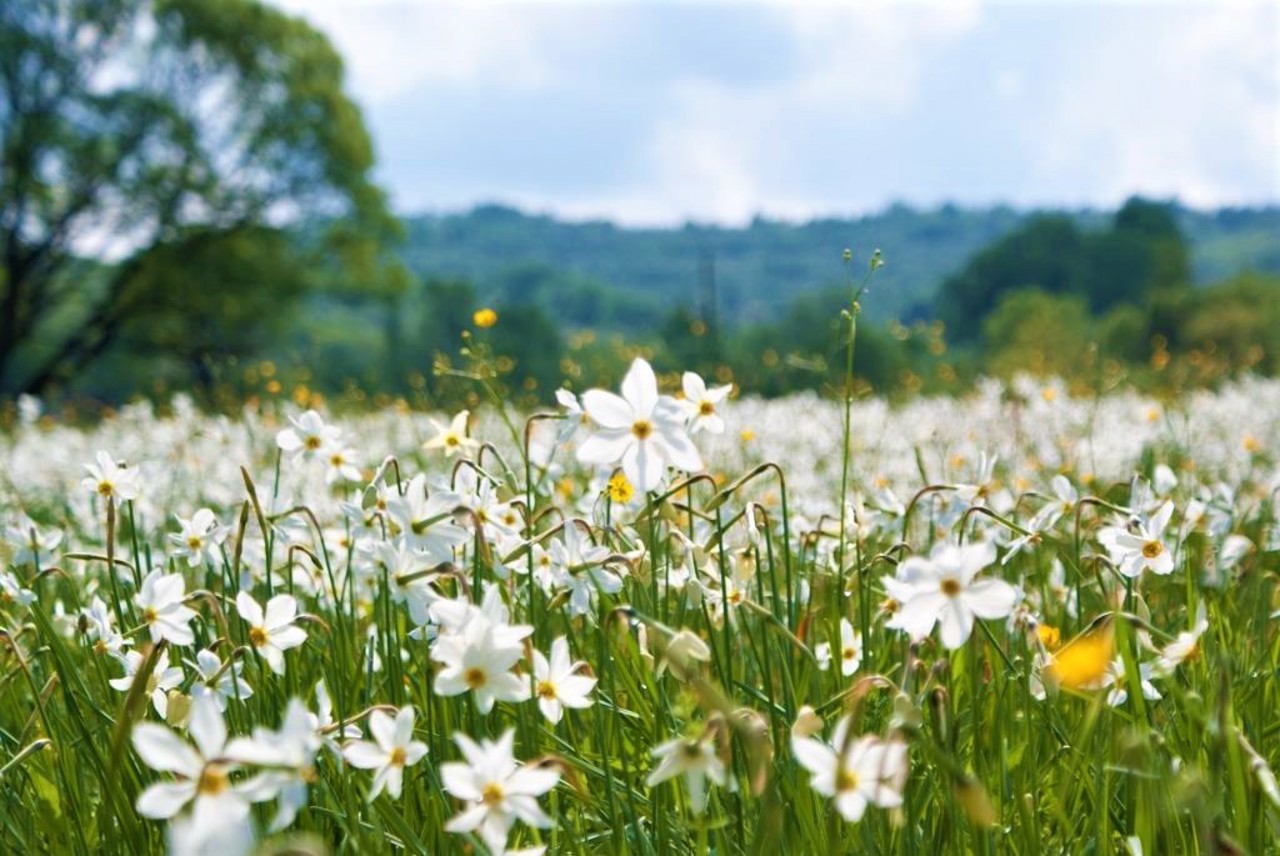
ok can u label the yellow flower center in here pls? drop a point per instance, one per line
(950, 587)
(398, 756)
(213, 780)
(149, 615)
(312, 443)
(846, 780)
(194, 542)
(706, 408)
(105, 488)
(546, 690)
(258, 636)
(492, 794)
(642, 429)
(475, 677)
(1152, 549)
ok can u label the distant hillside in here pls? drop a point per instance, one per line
(760, 268)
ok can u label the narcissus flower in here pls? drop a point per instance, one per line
(273, 632)
(944, 591)
(309, 436)
(694, 758)
(160, 600)
(203, 776)
(640, 429)
(1134, 552)
(452, 438)
(557, 684)
(496, 789)
(110, 480)
(701, 403)
(855, 772)
(393, 749)
(199, 539)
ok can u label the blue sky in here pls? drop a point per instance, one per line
(658, 112)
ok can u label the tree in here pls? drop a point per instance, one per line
(138, 132)
(1045, 253)
(1037, 332)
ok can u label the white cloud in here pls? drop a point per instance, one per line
(652, 113)
(1189, 107)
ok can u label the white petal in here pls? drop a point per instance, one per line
(165, 799)
(163, 750)
(640, 388)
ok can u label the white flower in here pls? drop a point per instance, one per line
(856, 773)
(203, 776)
(1116, 678)
(452, 438)
(110, 480)
(159, 682)
(980, 492)
(479, 659)
(199, 539)
(1184, 648)
(850, 648)
(641, 429)
(11, 591)
(34, 547)
(289, 753)
(100, 628)
(273, 633)
(575, 562)
(426, 522)
(576, 420)
(696, 759)
(1067, 497)
(700, 404)
(557, 683)
(498, 791)
(218, 682)
(161, 602)
(1133, 553)
(943, 590)
(309, 436)
(338, 466)
(393, 750)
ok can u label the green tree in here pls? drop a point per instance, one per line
(1037, 332)
(141, 131)
(1046, 253)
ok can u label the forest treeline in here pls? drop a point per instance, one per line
(206, 220)
(1092, 298)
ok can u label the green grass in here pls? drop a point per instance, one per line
(993, 769)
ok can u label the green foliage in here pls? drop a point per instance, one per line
(156, 126)
(1143, 252)
(1034, 331)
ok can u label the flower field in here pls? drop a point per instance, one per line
(653, 620)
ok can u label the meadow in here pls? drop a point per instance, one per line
(656, 619)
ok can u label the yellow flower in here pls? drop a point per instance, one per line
(485, 317)
(1049, 636)
(1083, 661)
(620, 490)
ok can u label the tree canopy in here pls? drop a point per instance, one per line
(139, 138)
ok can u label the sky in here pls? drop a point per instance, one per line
(655, 113)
